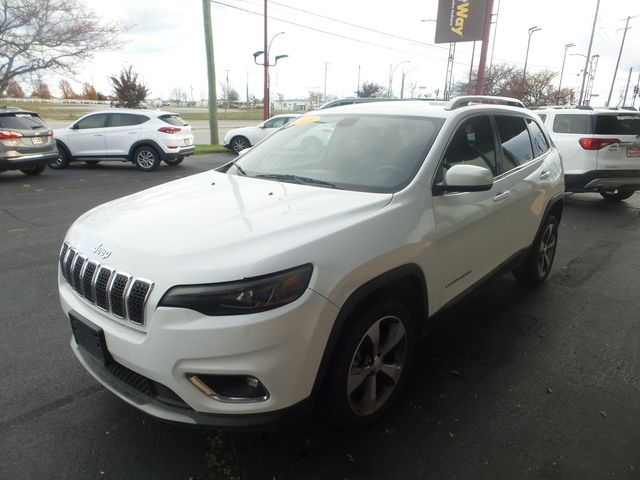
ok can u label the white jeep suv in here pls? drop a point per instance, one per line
(143, 137)
(600, 149)
(307, 268)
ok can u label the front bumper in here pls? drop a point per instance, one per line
(281, 347)
(602, 180)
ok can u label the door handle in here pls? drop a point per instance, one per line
(502, 196)
(98, 134)
(544, 175)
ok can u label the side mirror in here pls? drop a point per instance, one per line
(465, 178)
(74, 126)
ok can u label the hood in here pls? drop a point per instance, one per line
(214, 227)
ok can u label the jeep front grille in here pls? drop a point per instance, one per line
(117, 293)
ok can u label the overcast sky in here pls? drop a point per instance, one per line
(164, 41)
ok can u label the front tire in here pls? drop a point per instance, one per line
(370, 365)
(63, 159)
(617, 195)
(239, 143)
(146, 158)
(536, 268)
(33, 170)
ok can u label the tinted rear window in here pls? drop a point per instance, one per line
(571, 123)
(173, 120)
(621, 124)
(21, 121)
(126, 119)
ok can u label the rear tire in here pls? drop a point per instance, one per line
(63, 159)
(618, 194)
(146, 158)
(536, 268)
(370, 365)
(174, 161)
(33, 170)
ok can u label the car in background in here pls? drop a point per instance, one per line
(26, 143)
(296, 276)
(142, 137)
(240, 138)
(600, 148)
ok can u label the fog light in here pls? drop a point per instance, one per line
(230, 388)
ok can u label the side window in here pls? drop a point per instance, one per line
(276, 122)
(571, 123)
(472, 144)
(516, 144)
(538, 140)
(93, 121)
(123, 119)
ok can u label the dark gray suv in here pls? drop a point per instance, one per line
(26, 143)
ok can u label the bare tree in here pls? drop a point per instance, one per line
(40, 89)
(129, 91)
(89, 92)
(66, 90)
(178, 95)
(14, 90)
(229, 94)
(412, 86)
(45, 35)
(370, 89)
(315, 98)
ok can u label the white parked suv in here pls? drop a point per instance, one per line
(299, 275)
(600, 149)
(143, 137)
(240, 138)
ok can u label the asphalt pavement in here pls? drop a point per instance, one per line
(515, 384)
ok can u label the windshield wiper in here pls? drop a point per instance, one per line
(295, 179)
(238, 167)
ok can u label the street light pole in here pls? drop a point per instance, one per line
(531, 31)
(391, 72)
(564, 59)
(267, 104)
(586, 63)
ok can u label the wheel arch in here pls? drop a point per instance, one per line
(406, 284)
(143, 143)
(61, 145)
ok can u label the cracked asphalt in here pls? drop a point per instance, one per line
(518, 384)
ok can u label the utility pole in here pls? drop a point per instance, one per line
(265, 101)
(358, 89)
(247, 90)
(473, 54)
(586, 63)
(615, 72)
(624, 100)
(211, 73)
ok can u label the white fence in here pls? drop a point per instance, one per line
(59, 101)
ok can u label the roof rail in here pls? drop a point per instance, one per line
(584, 107)
(466, 100)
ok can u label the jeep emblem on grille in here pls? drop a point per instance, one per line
(102, 252)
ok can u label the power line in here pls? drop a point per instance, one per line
(324, 31)
(362, 27)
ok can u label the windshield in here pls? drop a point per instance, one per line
(372, 153)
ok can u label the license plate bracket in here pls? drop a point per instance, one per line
(36, 140)
(633, 151)
(90, 338)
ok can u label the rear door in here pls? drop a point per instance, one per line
(619, 134)
(122, 131)
(521, 170)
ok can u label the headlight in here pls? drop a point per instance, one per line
(250, 295)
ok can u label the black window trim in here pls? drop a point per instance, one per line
(435, 191)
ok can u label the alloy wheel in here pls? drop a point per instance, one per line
(547, 250)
